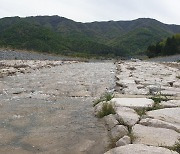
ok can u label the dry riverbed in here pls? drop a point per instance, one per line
(46, 107)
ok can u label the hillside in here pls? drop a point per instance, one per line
(169, 46)
(60, 35)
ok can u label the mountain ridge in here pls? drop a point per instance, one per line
(111, 37)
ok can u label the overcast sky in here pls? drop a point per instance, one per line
(167, 11)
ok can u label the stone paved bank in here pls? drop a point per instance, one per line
(147, 109)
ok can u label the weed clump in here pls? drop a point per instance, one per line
(105, 97)
(106, 110)
(176, 147)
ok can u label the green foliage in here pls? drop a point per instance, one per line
(176, 147)
(106, 110)
(170, 46)
(105, 97)
(63, 36)
(141, 112)
(157, 100)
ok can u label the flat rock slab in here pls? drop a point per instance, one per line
(171, 115)
(159, 124)
(133, 102)
(171, 103)
(154, 136)
(140, 149)
(127, 116)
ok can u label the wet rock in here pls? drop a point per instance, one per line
(154, 136)
(127, 116)
(119, 131)
(140, 149)
(159, 124)
(111, 121)
(136, 103)
(123, 141)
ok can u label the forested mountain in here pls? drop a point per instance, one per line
(60, 35)
(169, 46)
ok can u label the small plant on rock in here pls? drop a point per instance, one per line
(106, 110)
(176, 147)
(141, 112)
(108, 96)
(105, 97)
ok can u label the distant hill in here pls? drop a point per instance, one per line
(169, 46)
(61, 35)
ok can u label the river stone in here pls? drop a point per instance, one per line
(111, 121)
(123, 141)
(127, 116)
(170, 104)
(119, 131)
(168, 114)
(133, 102)
(159, 123)
(140, 149)
(154, 136)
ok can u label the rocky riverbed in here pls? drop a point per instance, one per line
(147, 108)
(47, 106)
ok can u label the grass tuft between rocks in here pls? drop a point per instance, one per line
(105, 97)
(176, 147)
(106, 110)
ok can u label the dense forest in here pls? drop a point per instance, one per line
(59, 35)
(170, 46)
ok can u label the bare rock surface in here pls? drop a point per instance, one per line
(119, 131)
(170, 103)
(123, 141)
(160, 124)
(137, 103)
(140, 149)
(111, 121)
(146, 75)
(170, 115)
(127, 116)
(154, 136)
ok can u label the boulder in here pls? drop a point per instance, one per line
(159, 124)
(170, 104)
(127, 116)
(111, 121)
(119, 131)
(123, 141)
(137, 103)
(170, 115)
(140, 149)
(154, 136)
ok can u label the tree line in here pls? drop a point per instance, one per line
(170, 46)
